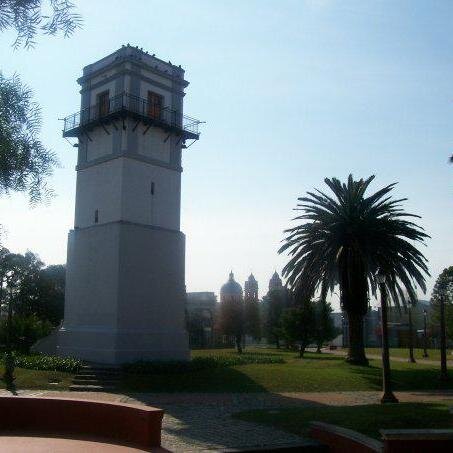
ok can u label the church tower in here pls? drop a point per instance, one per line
(251, 289)
(275, 283)
(125, 288)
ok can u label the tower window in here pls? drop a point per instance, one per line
(152, 188)
(96, 216)
(155, 103)
(103, 103)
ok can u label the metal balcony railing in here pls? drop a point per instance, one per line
(125, 104)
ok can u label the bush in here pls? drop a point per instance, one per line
(199, 363)
(46, 363)
(25, 331)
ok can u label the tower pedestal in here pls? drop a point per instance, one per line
(124, 294)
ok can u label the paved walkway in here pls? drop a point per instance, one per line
(203, 422)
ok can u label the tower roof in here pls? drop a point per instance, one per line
(275, 281)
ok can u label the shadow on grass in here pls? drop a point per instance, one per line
(215, 380)
(315, 356)
(409, 377)
(366, 419)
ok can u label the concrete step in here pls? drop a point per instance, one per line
(91, 388)
(98, 376)
(99, 371)
(77, 381)
(100, 367)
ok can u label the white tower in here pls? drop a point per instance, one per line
(125, 289)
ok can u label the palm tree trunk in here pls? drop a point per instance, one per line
(356, 353)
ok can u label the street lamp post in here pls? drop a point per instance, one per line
(425, 335)
(443, 342)
(387, 395)
(411, 336)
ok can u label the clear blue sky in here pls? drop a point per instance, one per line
(292, 91)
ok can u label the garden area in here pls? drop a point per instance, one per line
(224, 370)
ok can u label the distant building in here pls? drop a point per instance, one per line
(398, 325)
(337, 318)
(371, 329)
(201, 310)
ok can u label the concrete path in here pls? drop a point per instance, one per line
(422, 361)
(203, 422)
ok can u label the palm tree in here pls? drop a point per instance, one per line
(347, 240)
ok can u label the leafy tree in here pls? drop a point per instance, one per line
(42, 294)
(30, 290)
(31, 17)
(11, 274)
(24, 161)
(276, 301)
(231, 319)
(443, 287)
(324, 326)
(298, 325)
(25, 331)
(252, 321)
(346, 240)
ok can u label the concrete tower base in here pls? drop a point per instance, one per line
(125, 294)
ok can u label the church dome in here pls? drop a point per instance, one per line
(231, 287)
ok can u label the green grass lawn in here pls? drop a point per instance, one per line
(315, 373)
(366, 419)
(433, 354)
(32, 379)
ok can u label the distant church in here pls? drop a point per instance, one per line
(202, 307)
(233, 289)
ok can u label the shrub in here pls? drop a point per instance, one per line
(199, 363)
(46, 363)
(25, 331)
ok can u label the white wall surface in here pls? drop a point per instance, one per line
(101, 144)
(153, 144)
(120, 189)
(99, 187)
(138, 205)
